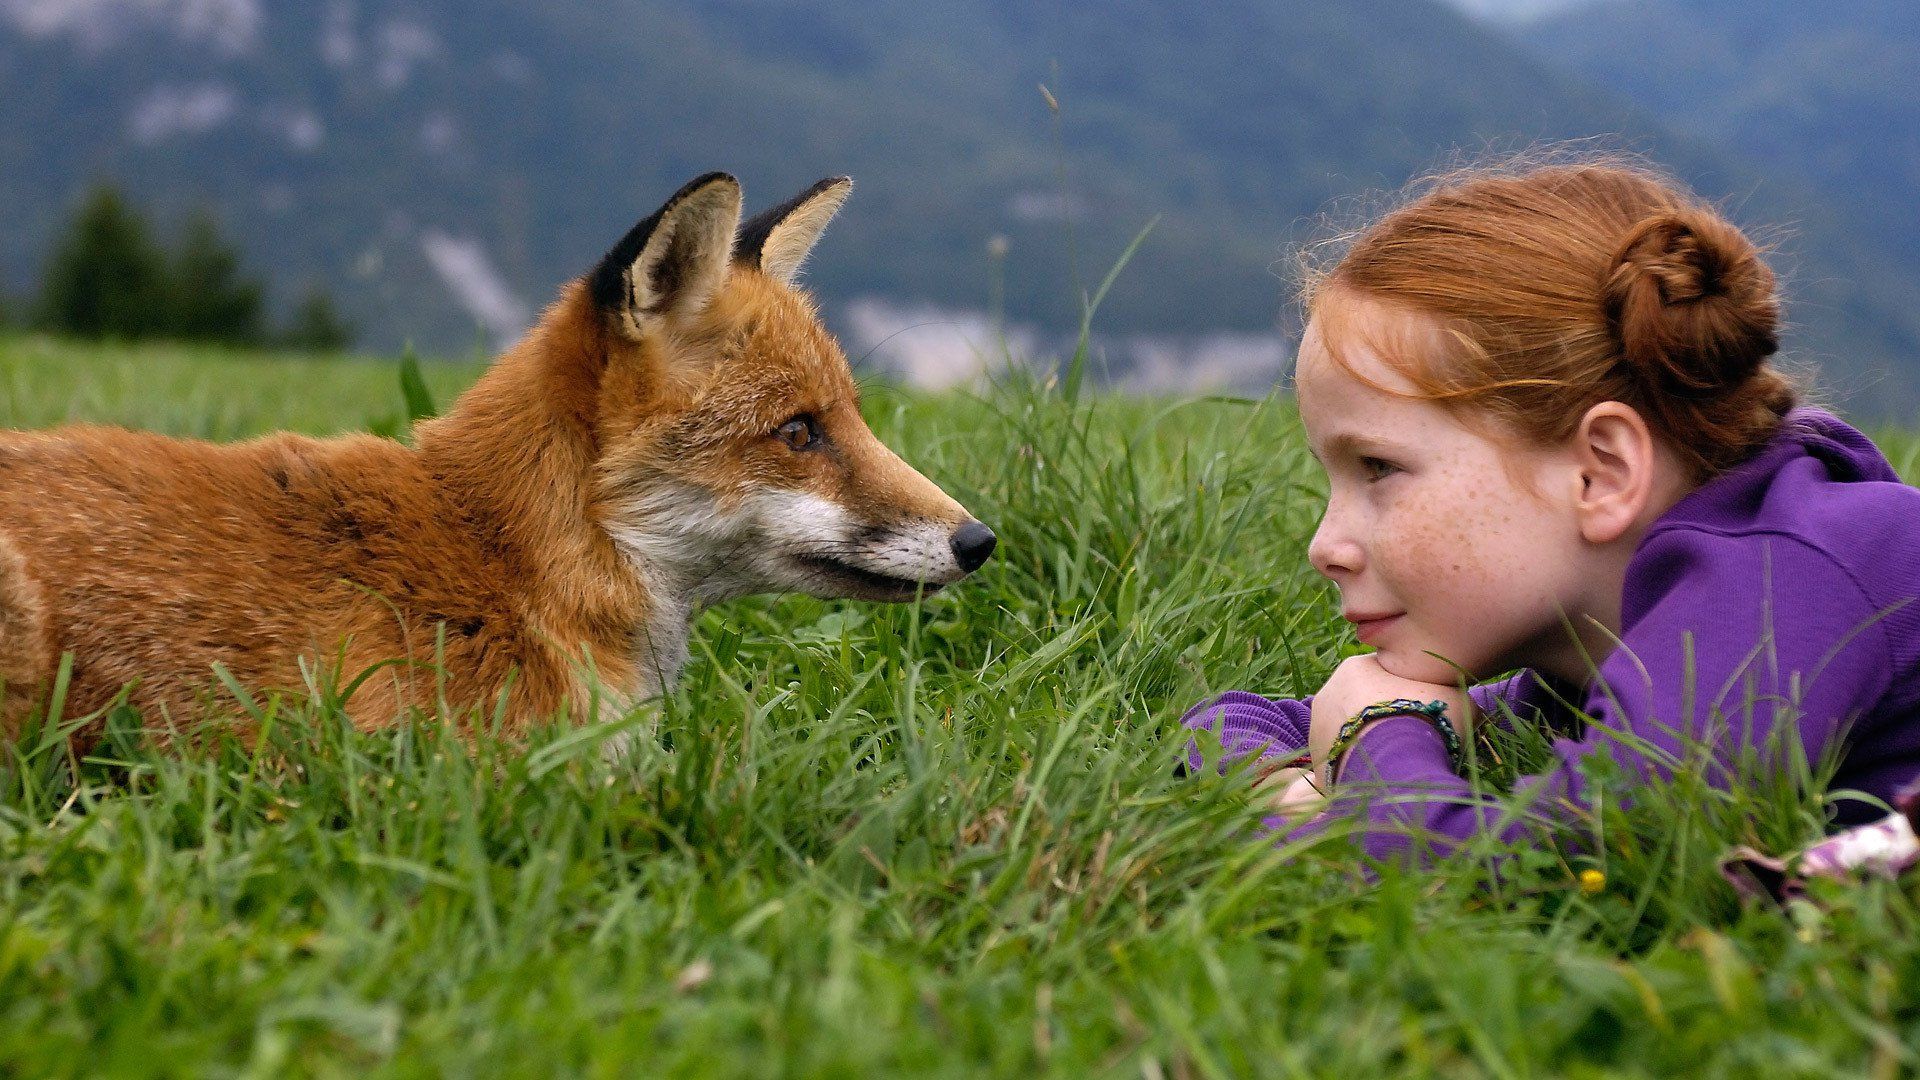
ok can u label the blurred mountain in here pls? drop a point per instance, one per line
(1830, 91)
(443, 167)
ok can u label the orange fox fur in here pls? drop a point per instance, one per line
(643, 451)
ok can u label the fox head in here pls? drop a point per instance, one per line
(733, 458)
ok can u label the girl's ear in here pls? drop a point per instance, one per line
(1619, 466)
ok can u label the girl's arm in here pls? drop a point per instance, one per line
(1742, 636)
(1277, 729)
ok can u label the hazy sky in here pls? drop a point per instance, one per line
(1517, 10)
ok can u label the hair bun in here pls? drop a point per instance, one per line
(1691, 304)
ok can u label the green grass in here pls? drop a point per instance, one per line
(934, 839)
(205, 391)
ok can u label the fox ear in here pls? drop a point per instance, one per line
(778, 240)
(673, 262)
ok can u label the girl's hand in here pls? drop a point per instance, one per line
(1291, 792)
(1360, 681)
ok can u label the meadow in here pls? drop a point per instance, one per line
(934, 839)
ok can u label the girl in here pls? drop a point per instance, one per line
(1553, 443)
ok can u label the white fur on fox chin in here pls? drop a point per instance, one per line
(691, 554)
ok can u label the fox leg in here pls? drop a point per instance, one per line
(26, 654)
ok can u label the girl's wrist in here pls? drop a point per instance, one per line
(1434, 712)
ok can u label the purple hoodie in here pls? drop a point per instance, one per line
(1787, 588)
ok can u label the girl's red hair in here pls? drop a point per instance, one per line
(1559, 286)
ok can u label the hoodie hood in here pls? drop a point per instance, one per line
(1848, 455)
(1777, 490)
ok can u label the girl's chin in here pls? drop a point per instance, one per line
(1419, 666)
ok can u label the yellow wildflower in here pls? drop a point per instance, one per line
(1592, 881)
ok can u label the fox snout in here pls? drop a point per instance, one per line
(884, 532)
(824, 549)
(915, 558)
(900, 563)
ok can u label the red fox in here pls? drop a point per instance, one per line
(677, 429)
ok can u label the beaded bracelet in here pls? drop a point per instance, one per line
(1433, 712)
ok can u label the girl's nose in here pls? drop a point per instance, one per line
(1332, 552)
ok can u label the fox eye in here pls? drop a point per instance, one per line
(1377, 468)
(799, 433)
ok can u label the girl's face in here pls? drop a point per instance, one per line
(1455, 548)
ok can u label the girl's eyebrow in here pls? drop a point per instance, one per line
(1351, 442)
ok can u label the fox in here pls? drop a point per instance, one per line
(677, 429)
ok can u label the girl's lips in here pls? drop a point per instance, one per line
(1369, 627)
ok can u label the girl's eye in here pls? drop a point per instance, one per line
(1377, 468)
(799, 433)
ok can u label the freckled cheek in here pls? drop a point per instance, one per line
(1434, 552)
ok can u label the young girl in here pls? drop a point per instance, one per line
(1553, 443)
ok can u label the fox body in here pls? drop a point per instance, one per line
(678, 429)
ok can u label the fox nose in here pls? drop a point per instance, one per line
(972, 543)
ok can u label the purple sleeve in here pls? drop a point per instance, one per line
(1732, 638)
(1246, 724)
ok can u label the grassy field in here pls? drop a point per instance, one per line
(942, 839)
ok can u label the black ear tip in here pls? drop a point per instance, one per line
(844, 183)
(701, 181)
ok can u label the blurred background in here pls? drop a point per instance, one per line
(373, 172)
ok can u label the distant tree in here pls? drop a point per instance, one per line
(106, 277)
(316, 325)
(208, 297)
